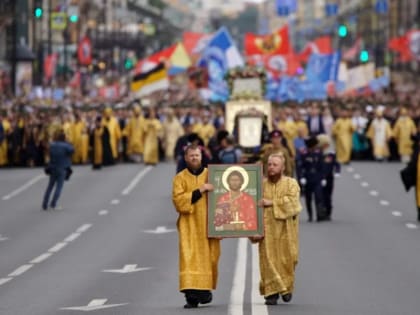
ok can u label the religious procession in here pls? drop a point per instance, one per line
(246, 136)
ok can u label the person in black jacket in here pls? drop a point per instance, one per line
(413, 169)
(57, 169)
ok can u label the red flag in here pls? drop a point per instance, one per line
(352, 52)
(76, 80)
(84, 51)
(152, 61)
(277, 64)
(408, 46)
(191, 41)
(272, 44)
(321, 45)
(50, 64)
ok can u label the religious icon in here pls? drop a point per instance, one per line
(233, 209)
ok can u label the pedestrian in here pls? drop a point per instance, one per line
(342, 131)
(411, 174)
(379, 133)
(331, 169)
(198, 255)
(310, 174)
(403, 131)
(58, 168)
(278, 249)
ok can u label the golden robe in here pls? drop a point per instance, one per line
(97, 149)
(152, 129)
(3, 144)
(403, 129)
(301, 124)
(114, 134)
(77, 129)
(205, 131)
(278, 251)
(135, 135)
(172, 130)
(342, 131)
(290, 132)
(198, 255)
(379, 133)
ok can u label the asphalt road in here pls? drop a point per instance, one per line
(113, 249)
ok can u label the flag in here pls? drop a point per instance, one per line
(408, 46)
(220, 55)
(194, 42)
(151, 81)
(323, 68)
(276, 43)
(84, 51)
(321, 45)
(352, 52)
(286, 7)
(50, 65)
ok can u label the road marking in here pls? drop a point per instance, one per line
(72, 237)
(373, 193)
(384, 203)
(24, 187)
(20, 270)
(160, 230)
(115, 201)
(364, 184)
(40, 258)
(84, 228)
(3, 238)
(127, 269)
(350, 169)
(57, 247)
(103, 212)
(357, 176)
(4, 280)
(411, 226)
(94, 305)
(258, 306)
(136, 180)
(396, 214)
(238, 285)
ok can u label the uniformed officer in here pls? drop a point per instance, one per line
(310, 174)
(331, 169)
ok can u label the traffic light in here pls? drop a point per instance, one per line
(38, 11)
(342, 30)
(364, 56)
(73, 18)
(128, 64)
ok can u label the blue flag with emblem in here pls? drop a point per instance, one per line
(322, 67)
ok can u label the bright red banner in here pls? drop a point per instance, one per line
(321, 45)
(408, 46)
(84, 51)
(272, 44)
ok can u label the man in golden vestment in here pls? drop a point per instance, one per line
(403, 130)
(278, 249)
(198, 255)
(135, 135)
(342, 131)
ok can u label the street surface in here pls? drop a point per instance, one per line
(113, 249)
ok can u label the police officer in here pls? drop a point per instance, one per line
(310, 174)
(331, 169)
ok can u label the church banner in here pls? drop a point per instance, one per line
(233, 209)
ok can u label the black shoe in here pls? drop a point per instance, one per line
(286, 297)
(191, 305)
(271, 299)
(206, 299)
(310, 219)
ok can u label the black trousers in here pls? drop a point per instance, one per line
(314, 189)
(197, 296)
(327, 192)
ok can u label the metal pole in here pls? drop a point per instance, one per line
(49, 27)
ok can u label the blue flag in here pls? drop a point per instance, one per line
(322, 67)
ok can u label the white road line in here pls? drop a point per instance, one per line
(136, 180)
(24, 187)
(4, 280)
(364, 184)
(357, 176)
(40, 258)
(350, 169)
(238, 285)
(373, 193)
(72, 237)
(83, 228)
(411, 226)
(115, 201)
(56, 248)
(258, 306)
(396, 214)
(103, 212)
(384, 203)
(20, 270)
